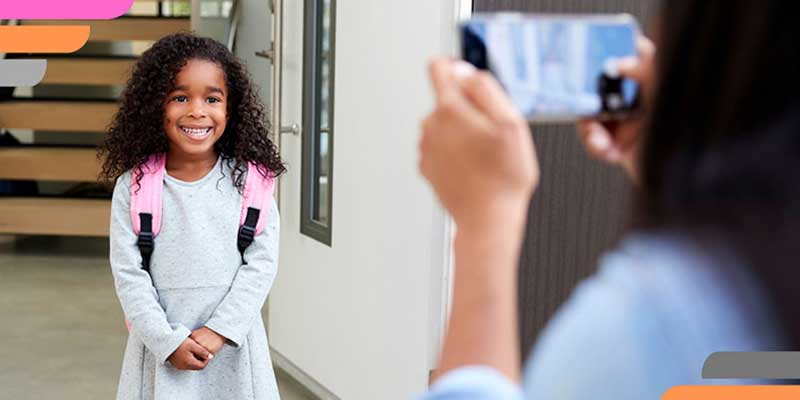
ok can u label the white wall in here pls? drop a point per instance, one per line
(363, 317)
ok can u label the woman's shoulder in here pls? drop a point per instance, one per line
(657, 307)
(700, 292)
(660, 267)
(668, 270)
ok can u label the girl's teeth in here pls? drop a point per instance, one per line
(196, 132)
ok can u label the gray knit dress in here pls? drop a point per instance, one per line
(198, 279)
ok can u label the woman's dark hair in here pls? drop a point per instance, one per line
(721, 153)
(137, 130)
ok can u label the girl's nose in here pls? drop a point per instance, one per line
(197, 109)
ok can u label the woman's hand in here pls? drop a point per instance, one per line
(190, 356)
(617, 142)
(477, 152)
(209, 339)
(476, 149)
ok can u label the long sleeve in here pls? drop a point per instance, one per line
(135, 290)
(474, 383)
(234, 316)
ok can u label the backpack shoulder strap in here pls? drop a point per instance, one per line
(146, 204)
(256, 204)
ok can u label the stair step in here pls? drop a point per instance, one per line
(88, 71)
(126, 28)
(49, 164)
(68, 116)
(54, 216)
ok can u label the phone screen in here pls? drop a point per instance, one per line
(556, 67)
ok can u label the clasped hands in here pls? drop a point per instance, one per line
(197, 350)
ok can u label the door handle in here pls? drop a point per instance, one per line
(293, 129)
(269, 54)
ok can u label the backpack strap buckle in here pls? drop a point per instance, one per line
(247, 232)
(146, 239)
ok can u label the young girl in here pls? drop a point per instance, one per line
(195, 318)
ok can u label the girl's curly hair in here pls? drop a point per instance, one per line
(137, 130)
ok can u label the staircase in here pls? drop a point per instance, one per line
(77, 211)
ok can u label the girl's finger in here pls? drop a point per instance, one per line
(199, 351)
(195, 364)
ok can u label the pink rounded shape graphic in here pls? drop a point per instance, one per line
(63, 9)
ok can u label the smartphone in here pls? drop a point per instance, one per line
(556, 67)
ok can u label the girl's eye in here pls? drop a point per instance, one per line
(180, 99)
(213, 100)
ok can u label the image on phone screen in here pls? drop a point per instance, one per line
(556, 68)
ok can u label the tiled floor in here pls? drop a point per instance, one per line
(62, 333)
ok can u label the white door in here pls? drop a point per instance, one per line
(360, 317)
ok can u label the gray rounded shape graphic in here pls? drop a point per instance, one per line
(22, 72)
(752, 365)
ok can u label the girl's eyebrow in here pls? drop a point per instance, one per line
(214, 89)
(210, 89)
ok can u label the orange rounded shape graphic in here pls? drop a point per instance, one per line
(732, 392)
(43, 39)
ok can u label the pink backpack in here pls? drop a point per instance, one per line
(146, 206)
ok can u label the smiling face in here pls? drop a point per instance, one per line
(195, 112)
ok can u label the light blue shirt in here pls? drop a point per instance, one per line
(658, 306)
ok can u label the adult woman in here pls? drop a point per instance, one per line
(707, 265)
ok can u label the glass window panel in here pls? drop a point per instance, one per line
(210, 9)
(318, 118)
(226, 8)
